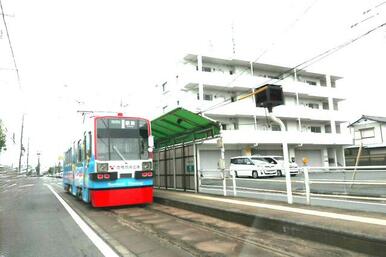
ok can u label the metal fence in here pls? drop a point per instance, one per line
(362, 182)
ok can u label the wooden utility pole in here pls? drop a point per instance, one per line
(21, 142)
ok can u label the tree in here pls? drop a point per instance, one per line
(2, 137)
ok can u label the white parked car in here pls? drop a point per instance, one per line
(246, 166)
(278, 161)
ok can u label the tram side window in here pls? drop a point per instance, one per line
(84, 147)
(74, 154)
(79, 151)
(89, 149)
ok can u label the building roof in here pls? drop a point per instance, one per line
(368, 117)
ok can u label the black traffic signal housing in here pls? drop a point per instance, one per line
(269, 96)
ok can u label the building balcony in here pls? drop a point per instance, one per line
(247, 108)
(275, 137)
(225, 81)
(306, 90)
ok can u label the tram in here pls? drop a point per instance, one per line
(110, 164)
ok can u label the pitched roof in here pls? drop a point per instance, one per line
(368, 117)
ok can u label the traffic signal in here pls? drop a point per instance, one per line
(269, 96)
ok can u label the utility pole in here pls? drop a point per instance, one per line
(38, 167)
(27, 154)
(21, 142)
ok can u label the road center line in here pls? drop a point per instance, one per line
(103, 247)
(332, 215)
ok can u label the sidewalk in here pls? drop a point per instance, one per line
(354, 230)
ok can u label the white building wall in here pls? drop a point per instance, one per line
(383, 129)
(224, 81)
(378, 133)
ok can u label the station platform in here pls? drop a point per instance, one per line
(358, 231)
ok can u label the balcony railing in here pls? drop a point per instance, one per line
(247, 107)
(275, 137)
(227, 81)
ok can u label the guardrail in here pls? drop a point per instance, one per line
(347, 181)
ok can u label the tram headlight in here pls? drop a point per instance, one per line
(102, 167)
(146, 166)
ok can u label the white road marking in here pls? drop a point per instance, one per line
(375, 221)
(103, 247)
(12, 185)
(27, 185)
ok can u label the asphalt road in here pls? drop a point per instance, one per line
(34, 223)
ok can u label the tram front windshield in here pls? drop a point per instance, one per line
(121, 139)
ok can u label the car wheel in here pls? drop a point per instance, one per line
(254, 174)
(279, 173)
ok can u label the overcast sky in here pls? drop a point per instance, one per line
(76, 54)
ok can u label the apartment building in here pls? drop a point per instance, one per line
(311, 112)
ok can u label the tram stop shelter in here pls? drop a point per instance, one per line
(176, 135)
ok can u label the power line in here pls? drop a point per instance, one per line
(10, 44)
(266, 50)
(302, 65)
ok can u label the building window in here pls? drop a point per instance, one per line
(235, 126)
(327, 128)
(272, 77)
(325, 105)
(367, 133)
(275, 128)
(224, 126)
(207, 69)
(208, 97)
(164, 86)
(310, 82)
(335, 106)
(313, 105)
(337, 128)
(315, 129)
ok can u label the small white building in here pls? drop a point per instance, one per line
(369, 135)
(311, 112)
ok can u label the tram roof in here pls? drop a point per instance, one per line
(182, 126)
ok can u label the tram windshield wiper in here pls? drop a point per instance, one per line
(119, 153)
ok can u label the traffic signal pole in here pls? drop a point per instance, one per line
(286, 159)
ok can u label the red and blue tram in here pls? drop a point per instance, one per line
(111, 164)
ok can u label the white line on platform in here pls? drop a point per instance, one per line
(103, 247)
(332, 215)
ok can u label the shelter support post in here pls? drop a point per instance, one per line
(174, 167)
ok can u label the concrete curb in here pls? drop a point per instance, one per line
(363, 243)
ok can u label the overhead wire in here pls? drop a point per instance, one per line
(10, 44)
(302, 65)
(266, 50)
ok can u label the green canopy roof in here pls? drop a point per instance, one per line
(180, 125)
